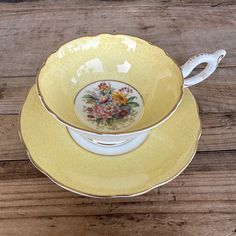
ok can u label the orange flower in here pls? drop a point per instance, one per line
(119, 98)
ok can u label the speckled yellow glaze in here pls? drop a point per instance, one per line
(167, 151)
(124, 58)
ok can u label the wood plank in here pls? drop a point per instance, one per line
(57, 4)
(123, 224)
(28, 35)
(13, 92)
(219, 133)
(31, 4)
(11, 147)
(204, 192)
(216, 94)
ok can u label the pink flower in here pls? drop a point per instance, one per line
(101, 113)
(103, 99)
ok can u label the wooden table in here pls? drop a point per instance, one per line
(202, 200)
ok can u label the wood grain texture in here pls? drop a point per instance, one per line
(10, 145)
(205, 191)
(219, 132)
(123, 224)
(29, 35)
(216, 94)
(13, 91)
(31, 4)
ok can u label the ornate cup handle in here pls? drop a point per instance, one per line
(212, 61)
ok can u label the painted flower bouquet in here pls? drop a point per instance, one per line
(110, 107)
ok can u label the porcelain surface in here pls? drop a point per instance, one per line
(126, 59)
(164, 155)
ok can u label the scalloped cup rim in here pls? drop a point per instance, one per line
(115, 133)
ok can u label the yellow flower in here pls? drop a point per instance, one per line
(119, 98)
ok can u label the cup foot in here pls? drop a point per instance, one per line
(107, 148)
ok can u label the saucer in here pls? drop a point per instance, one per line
(164, 155)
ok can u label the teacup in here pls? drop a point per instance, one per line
(110, 91)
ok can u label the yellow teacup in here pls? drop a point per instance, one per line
(112, 89)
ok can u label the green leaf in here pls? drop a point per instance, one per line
(109, 121)
(133, 104)
(131, 98)
(88, 96)
(98, 120)
(90, 101)
(110, 90)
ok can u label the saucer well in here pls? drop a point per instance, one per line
(163, 156)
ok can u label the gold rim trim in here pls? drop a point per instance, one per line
(56, 116)
(108, 196)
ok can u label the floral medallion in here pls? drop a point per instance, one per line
(109, 106)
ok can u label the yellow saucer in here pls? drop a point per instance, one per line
(164, 155)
